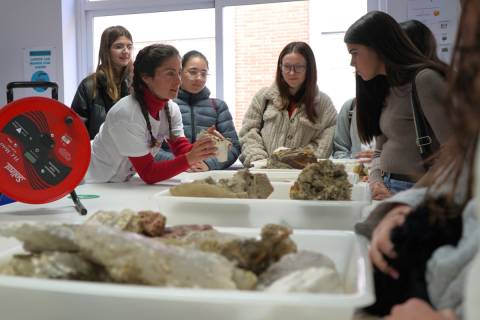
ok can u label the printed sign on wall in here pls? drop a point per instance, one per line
(40, 65)
(440, 16)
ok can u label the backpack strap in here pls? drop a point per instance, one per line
(214, 104)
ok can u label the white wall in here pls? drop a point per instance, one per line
(32, 23)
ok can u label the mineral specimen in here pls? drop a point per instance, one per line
(322, 181)
(291, 158)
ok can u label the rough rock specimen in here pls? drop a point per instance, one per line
(258, 255)
(315, 280)
(291, 158)
(149, 223)
(222, 144)
(322, 181)
(132, 258)
(294, 262)
(38, 237)
(243, 184)
(53, 265)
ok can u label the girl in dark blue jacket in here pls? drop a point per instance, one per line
(200, 112)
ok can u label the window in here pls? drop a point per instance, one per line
(241, 38)
(149, 28)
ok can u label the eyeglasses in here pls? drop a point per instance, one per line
(193, 74)
(297, 68)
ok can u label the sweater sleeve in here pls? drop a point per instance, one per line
(375, 173)
(323, 142)
(179, 145)
(431, 88)
(225, 126)
(411, 197)
(251, 140)
(342, 142)
(152, 172)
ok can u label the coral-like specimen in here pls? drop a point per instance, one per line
(291, 158)
(322, 181)
(243, 184)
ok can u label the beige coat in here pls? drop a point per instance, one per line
(281, 131)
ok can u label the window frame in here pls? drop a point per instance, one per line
(88, 10)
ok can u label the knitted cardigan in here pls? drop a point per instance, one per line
(266, 126)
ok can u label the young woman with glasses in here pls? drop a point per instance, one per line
(97, 93)
(200, 112)
(386, 64)
(136, 125)
(292, 112)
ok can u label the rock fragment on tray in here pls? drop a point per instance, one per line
(243, 184)
(294, 262)
(38, 237)
(53, 265)
(132, 258)
(313, 279)
(291, 158)
(258, 255)
(150, 223)
(322, 181)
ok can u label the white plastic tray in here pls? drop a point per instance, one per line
(278, 208)
(275, 175)
(44, 299)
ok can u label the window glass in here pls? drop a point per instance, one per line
(194, 30)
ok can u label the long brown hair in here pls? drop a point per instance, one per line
(148, 59)
(105, 65)
(380, 32)
(463, 110)
(308, 90)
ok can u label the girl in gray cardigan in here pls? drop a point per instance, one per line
(291, 113)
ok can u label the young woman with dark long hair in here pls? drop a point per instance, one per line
(292, 112)
(136, 126)
(387, 63)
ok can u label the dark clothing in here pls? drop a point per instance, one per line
(200, 112)
(94, 110)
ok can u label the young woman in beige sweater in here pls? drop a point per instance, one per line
(291, 113)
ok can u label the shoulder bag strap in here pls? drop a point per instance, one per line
(423, 137)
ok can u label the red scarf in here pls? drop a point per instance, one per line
(154, 104)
